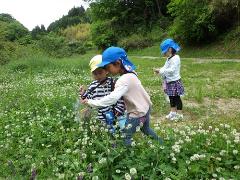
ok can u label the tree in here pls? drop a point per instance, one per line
(75, 16)
(199, 21)
(12, 29)
(37, 32)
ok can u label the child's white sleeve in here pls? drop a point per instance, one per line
(171, 69)
(110, 99)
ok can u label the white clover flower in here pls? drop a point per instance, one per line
(196, 157)
(228, 142)
(172, 154)
(182, 133)
(225, 136)
(236, 167)
(174, 159)
(236, 141)
(93, 152)
(221, 178)
(218, 158)
(102, 161)
(68, 151)
(28, 140)
(127, 176)
(218, 169)
(214, 175)
(138, 128)
(118, 171)
(133, 143)
(81, 173)
(216, 129)
(129, 126)
(133, 171)
(227, 126)
(187, 162)
(222, 152)
(84, 156)
(152, 146)
(162, 147)
(235, 151)
(95, 178)
(176, 148)
(60, 176)
(188, 139)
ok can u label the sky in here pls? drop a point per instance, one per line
(31, 13)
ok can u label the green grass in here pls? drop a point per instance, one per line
(39, 133)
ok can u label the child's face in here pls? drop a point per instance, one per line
(99, 74)
(168, 53)
(114, 69)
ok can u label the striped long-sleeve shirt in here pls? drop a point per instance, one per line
(97, 91)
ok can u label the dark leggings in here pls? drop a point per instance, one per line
(175, 101)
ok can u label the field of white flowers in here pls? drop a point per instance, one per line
(40, 139)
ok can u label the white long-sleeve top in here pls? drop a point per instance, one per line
(136, 99)
(171, 70)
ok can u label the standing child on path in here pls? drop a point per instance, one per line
(101, 87)
(128, 86)
(172, 79)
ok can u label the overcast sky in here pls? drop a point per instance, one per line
(36, 12)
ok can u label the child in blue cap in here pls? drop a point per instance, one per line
(100, 87)
(172, 79)
(128, 86)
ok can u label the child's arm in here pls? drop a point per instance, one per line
(82, 91)
(86, 93)
(110, 99)
(174, 64)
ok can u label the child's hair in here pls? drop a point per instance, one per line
(173, 51)
(122, 67)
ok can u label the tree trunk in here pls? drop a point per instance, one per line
(159, 10)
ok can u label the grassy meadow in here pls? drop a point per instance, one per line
(40, 139)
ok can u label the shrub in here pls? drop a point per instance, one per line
(80, 32)
(135, 42)
(103, 35)
(58, 46)
(198, 21)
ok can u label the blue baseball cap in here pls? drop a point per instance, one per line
(169, 43)
(113, 54)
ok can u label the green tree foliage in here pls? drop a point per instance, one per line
(57, 46)
(201, 20)
(80, 32)
(124, 18)
(37, 32)
(75, 16)
(11, 29)
(127, 16)
(11, 32)
(103, 35)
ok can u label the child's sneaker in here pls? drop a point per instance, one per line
(177, 117)
(171, 115)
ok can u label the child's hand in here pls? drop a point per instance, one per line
(156, 71)
(84, 101)
(81, 90)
